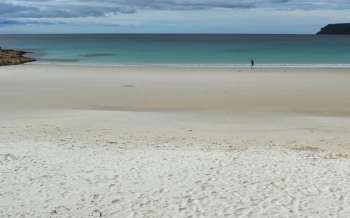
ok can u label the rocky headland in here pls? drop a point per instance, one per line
(335, 29)
(13, 57)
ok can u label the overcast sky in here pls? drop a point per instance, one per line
(170, 16)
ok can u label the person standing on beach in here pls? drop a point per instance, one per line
(252, 63)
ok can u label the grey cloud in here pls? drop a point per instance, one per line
(9, 22)
(11, 10)
(58, 11)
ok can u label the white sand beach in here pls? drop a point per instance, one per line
(85, 141)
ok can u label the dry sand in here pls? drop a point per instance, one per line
(165, 142)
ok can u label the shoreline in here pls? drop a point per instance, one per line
(199, 66)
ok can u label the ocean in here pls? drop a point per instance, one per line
(206, 50)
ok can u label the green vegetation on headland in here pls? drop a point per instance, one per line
(336, 29)
(13, 57)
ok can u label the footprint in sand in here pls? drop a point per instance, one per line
(96, 213)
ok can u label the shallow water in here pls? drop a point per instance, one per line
(188, 49)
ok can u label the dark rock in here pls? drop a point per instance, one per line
(13, 57)
(336, 29)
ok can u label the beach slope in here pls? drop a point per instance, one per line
(81, 141)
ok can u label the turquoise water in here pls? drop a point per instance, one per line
(188, 49)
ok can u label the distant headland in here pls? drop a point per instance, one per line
(335, 29)
(13, 57)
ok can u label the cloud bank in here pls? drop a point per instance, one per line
(46, 12)
(97, 8)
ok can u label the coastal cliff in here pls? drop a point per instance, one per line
(336, 29)
(13, 57)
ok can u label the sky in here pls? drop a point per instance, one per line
(170, 16)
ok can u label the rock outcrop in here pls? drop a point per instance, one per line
(13, 57)
(336, 29)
